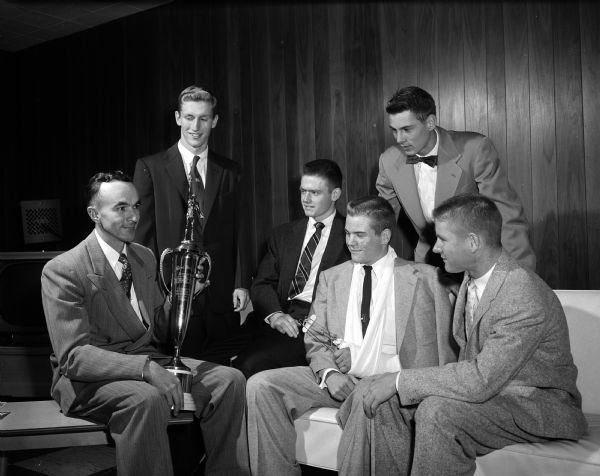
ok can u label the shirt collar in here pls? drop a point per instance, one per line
(327, 221)
(381, 263)
(188, 156)
(481, 281)
(433, 151)
(111, 255)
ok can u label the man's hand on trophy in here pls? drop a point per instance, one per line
(285, 324)
(343, 359)
(200, 287)
(167, 383)
(241, 298)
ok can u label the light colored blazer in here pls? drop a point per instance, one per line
(518, 351)
(95, 333)
(423, 315)
(467, 163)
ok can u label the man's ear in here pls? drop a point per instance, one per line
(474, 241)
(336, 193)
(215, 120)
(178, 118)
(386, 236)
(430, 122)
(93, 213)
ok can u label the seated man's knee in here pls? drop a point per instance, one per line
(260, 383)
(434, 410)
(149, 399)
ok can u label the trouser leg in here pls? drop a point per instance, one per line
(378, 446)
(223, 419)
(449, 434)
(275, 398)
(137, 417)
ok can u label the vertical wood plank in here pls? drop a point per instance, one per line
(570, 159)
(518, 129)
(354, 17)
(475, 68)
(337, 70)
(322, 81)
(449, 46)
(426, 42)
(278, 26)
(374, 124)
(544, 231)
(495, 77)
(590, 76)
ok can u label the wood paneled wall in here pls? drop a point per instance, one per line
(302, 81)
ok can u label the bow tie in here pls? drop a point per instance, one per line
(430, 160)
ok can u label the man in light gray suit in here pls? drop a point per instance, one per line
(107, 326)
(515, 378)
(373, 315)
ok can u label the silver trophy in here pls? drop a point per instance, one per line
(189, 266)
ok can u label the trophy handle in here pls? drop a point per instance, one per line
(166, 252)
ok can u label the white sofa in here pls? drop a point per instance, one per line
(318, 433)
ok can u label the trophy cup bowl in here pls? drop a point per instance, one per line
(189, 266)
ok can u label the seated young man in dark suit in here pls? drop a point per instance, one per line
(289, 272)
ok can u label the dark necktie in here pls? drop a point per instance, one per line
(303, 270)
(126, 276)
(365, 305)
(430, 160)
(198, 190)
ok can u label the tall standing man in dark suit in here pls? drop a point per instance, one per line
(108, 328)
(288, 274)
(430, 164)
(515, 378)
(386, 314)
(163, 182)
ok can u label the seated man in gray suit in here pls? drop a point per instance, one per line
(107, 327)
(515, 378)
(373, 316)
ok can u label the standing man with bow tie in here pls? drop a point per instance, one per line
(430, 164)
(163, 181)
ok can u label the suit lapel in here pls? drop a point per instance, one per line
(341, 283)
(141, 282)
(294, 241)
(332, 250)
(405, 285)
(176, 172)
(458, 321)
(214, 174)
(448, 174)
(402, 175)
(491, 289)
(104, 278)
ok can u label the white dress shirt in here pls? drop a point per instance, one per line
(188, 159)
(426, 178)
(112, 257)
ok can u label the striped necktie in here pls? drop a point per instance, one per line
(303, 270)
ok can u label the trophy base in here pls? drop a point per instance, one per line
(185, 378)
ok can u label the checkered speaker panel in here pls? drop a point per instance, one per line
(41, 221)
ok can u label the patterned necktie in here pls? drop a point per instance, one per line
(196, 181)
(365, 305)
(471, 306)
(303, 270)
(430, 160)
(126, 276)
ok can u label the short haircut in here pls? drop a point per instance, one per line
(377, 209)
(197, 94)
(414, 99)
(326, 169)
(98, 179)
(474, 213)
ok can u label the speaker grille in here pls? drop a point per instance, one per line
(41, 221)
